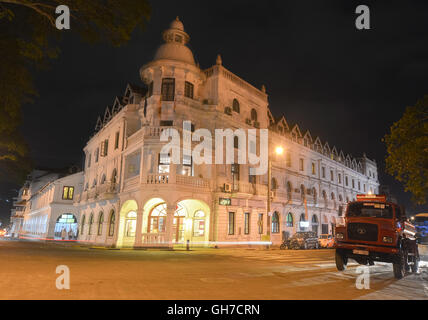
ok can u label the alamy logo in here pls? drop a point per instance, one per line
(63, 280)
(62, 21)
(240, 141)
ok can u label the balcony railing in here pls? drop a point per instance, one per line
(154, 239)
(159, 178)
(193, 181)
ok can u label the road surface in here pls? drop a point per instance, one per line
(28, 271)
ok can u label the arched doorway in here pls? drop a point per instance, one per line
(67, 222)
(127, 224)
(315, 224)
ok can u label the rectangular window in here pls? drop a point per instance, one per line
(246, 223)
(313, 168)
(116, 140)
(104, 148)
(260, 223)
(251, 178)
(231, 223)
(235, 176)
(150, 89)
(89, 159)
(164, 162)
(67, 193)
(339, 176)
(331, 175)
(301, 164)
(187, 167)
(168, 89)
(353, 184)
(188, 90)
(323, 172)
(364, 187)
(288, 160)
(359, 185)
(97, 153)
(346, 181)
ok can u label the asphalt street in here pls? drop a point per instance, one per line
(28, 271)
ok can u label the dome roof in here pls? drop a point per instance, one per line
(175, 47)
(173, 51)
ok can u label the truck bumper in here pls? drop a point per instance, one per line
(376, 253)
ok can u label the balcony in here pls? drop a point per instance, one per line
(107, 190)
(194, 182)
(158, 178)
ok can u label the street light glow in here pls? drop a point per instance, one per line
(279, 150)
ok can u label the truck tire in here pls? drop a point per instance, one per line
(341, 261)
(283, 246)
(400, 265)
(415, 266)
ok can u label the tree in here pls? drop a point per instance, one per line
(407, 150)
(29, 40)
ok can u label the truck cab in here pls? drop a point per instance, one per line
(377, 230)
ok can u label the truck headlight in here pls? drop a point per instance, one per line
(339, 236)
(387, 239)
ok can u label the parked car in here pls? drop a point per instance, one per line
(301, 240)
(326, 241)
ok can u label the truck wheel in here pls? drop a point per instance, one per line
(317, 245)
(283, 246)
(400, 266)
(341, 261)
(415, 266)
(305, 245)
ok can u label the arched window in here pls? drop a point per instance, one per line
(303, 224)
(235, 106)
(157, 219)
(332, 196)
(100, 223)
(315, 224)
(86, 186)
(91, 221)
(94, 184)
(253, 115)
(289, 190)
(103, 179)
(114, 176)
(340, 198)
(112, 222)
(199, 224)
(274, 184)
(82, 225)
(275, 222)
(289, 221)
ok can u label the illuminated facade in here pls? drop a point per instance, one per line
(133, 196)
(45, 206)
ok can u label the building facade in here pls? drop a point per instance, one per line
(45, 206)
(134, 196)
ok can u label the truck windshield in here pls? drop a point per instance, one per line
(370, 209)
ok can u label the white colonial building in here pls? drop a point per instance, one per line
(134, 196)
(45, 206)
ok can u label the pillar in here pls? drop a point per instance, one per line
(170, 210)
(139, 228)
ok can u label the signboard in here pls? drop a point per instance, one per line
(225, 201)
(371, 197)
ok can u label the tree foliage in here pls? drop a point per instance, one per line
(29, 40)
(407, 150)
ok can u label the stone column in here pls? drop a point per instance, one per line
(139, 228)
(169, 224)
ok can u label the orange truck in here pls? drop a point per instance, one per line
(377, 230)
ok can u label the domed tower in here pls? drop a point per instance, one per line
(172, 77)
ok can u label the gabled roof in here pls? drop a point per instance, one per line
(282, 121)
(318, 142)
(99, 124)
(308, 135)
(117, 105)
(270, 116)
(296, 130)
(327, 146)
(107, 116)
(132, 88)
(334, 150)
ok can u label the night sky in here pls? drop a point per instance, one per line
(345, 85)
